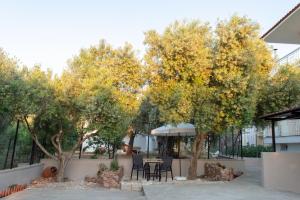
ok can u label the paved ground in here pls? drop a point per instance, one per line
(246, 187)
(74, 194)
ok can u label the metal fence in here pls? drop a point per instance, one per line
(16, 147)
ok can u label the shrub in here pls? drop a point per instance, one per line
(114, 165)
(255, 151)
(95, 156)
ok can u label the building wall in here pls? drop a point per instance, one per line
(281, 171)
(79, 168)
(284, 128)
(288, 147)
(141, 141)
(20, 175)
(287, 134)
(252, 136)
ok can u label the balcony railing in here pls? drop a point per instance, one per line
(284, 128)
(291, 58)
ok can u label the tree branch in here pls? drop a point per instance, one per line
(34, 137)
(53, 141)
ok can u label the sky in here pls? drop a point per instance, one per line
(50, 32)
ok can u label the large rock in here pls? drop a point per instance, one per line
(108, 179)
(49, 172)
(111, 179)
(217, 172)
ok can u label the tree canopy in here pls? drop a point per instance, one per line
(216, 78)
(211, 78)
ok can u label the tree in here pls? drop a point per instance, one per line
(210, 80)
(96, 95)
(102, 65)
(242, 62)
(280, 91)
(11, 94)
(146, 119)
(66, 116)
(118, 69)
(179, 66)
(10, 88)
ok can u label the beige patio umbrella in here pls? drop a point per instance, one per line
(181, 130)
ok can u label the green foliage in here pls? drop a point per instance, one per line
(23, 145)
(255, 151)
(147, 117)
(110, 82)
(178, 64)
(281, 91)
(209, 79)
(95, 156)
(241, 63)
(114, 165)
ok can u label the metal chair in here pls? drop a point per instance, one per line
(166, 167)
(137, 164)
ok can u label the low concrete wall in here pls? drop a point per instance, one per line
(79, 168)
(281, 170)
(20, 175)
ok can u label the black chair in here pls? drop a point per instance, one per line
(137, 164)
(166, 167)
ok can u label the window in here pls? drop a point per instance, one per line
(283, 147)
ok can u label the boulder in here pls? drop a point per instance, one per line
(111, 179)
(49, 172)
(217, 172)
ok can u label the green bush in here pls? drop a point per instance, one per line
(114, 165)
(95, 156)
(102, 168)
(255, 151)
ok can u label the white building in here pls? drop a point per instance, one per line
(286, 31)
(252, 136)
(287, 135)
(141, 142)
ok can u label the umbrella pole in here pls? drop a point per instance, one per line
(179, 154)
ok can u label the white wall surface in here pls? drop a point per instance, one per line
(20, 175)
(281, 171)
(249, 136)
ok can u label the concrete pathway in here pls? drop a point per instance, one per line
(74, 194)
(246, 187)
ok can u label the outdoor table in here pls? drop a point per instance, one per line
(156, 161)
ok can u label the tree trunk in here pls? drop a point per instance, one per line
(63, 162)
(113, 151)
(197, 149)
(131, 142)
(62, 157)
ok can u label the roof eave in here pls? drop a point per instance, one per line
(281, 21)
